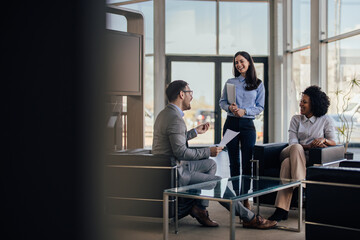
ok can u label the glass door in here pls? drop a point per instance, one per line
(206, 76)
(201, 79)
(226, 73)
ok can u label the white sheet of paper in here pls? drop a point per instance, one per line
(231, 93)
(228, 136)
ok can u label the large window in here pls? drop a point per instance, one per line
(199, 28)
(300, 78)
(343, 67)
(301, 23)
(190, 27)
(201, 81)
(343, 16)
(343, 63)
(300, 54)
(337, 53)
(243, 26)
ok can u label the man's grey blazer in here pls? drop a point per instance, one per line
(170, 138)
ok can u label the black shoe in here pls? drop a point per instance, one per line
(279, 214)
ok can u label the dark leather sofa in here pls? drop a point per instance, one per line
(269, 163)
(135, 181)
(333, 202)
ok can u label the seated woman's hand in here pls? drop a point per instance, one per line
(318, 142)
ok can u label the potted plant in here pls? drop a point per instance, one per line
(346, 117)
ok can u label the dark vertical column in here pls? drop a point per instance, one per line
(218, 92)
(51, 90)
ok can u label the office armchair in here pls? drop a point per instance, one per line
(333, 196)
(135, 181)
(269, 163)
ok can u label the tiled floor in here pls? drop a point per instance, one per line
(190, 229)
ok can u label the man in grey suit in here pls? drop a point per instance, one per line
(194, 164)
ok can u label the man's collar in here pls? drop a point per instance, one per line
(180, 111)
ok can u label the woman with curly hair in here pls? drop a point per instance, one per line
(311, 129)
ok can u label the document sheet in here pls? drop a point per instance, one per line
(228, 136)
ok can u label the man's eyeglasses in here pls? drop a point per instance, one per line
(189, 91)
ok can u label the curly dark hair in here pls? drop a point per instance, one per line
(319, 101)
(252, 82)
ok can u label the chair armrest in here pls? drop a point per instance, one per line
(141, 159)
(333, 174)
(268, 155)
(134, 151)
(325, 156)
(138, 175)
(351, 163)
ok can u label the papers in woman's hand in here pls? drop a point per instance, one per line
(228, 136)
(231, 93)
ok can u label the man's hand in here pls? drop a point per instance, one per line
(202, 128)
(214, 151)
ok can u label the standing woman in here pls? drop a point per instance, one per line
(249, 102)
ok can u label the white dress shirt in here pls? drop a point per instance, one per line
(304, 130)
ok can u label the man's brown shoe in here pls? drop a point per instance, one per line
(247, 204)
(260, 223)
(202, 216)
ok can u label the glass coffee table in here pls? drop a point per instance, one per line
(214, 191)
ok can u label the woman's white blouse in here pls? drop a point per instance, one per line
(304, 130)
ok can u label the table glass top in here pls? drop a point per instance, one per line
(235, 187)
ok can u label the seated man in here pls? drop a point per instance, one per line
(194, 165)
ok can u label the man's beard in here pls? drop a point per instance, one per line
(186, 107)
